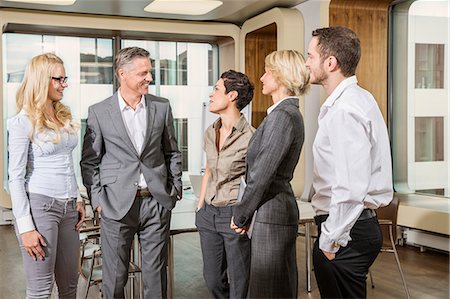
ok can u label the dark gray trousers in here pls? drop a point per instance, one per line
(274, 261)
(55, 220)
(151, 221)
(226, 254)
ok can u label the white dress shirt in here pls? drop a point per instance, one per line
(38, 166)
(135, 122)
(352, 162)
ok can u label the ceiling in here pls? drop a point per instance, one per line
(232, 11)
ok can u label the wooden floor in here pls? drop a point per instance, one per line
(427, 273)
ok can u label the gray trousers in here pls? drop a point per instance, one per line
(273, 271)
(151, 221)
(55, 220)
(226, 254)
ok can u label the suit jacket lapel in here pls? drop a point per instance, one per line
(117, 121)
(151, 110)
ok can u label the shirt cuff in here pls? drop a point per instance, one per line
(328, 245)
(25, 224)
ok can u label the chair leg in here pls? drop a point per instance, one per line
(398, 262)
(90, 276)
(371, 279)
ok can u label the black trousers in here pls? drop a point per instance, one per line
(226, 254)
(345, 276)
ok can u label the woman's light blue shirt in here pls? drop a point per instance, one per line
(39, 166)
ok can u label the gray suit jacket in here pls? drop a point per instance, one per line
(111, 166)
(272, 155)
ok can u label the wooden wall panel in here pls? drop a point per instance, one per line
(369, 19)
(258, 44)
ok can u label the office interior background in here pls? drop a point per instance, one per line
(405, 64)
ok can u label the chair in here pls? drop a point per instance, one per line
(90, 266)
(387, 217)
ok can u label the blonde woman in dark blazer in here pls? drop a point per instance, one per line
(272, 156)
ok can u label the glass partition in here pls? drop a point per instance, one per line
(420, 97)
(182, 73)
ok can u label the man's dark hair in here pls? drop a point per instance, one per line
(239, 82)
(341, 43)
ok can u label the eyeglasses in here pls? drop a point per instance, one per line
(61, 80)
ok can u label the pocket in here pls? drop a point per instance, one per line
(40, 202)
(104, 181)
(46, 206)
(110, 165)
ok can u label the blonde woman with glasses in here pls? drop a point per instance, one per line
(42, 181)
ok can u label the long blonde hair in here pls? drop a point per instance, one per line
(32, 96)
(289, 69)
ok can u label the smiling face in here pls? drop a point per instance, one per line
(315, 64)
(55, 87)
(136, 76)
(270, 85)
(219, 99)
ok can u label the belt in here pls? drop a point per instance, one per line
(366, 214)
(143, 193)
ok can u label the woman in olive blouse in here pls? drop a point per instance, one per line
(226, 255)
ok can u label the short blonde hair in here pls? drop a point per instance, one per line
(32, 96)
(289, 69)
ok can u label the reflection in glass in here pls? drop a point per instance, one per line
(210, 66)
(168, 59)
(96, 62)
(182, 63)
(429, 66)
(429, 139)
(18, 55)
(181, 131)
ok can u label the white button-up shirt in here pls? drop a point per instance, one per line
(352, 162)
(38, 166)
(135, 122)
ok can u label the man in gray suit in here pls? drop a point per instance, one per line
(131, 167)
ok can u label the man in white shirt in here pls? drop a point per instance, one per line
(352, 167)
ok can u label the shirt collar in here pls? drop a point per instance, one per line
(240, 126)
(271, 108)
(339, 89)
(123, 105)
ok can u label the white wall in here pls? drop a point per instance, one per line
(313, 14)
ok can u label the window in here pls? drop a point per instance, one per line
(96, 61)
(181, 73)
(420, 97)
(429, 66)
(181, 129)
(88, 64)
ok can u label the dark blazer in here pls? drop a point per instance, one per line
(272, 155)
(111, 166)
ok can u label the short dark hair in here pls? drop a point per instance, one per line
(239, 82)
(126, 55)
(341, 43)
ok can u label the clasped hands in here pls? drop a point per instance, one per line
(239, 230)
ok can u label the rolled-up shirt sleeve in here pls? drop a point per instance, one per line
(349, 136)
(19, 129)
